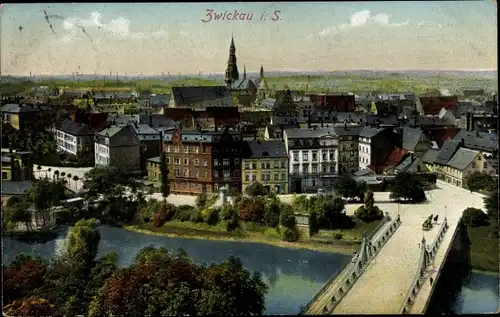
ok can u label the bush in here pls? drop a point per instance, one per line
(272, 214)
(232, 223)
(226, 212)
(407, 186)
(196, 216)
(369, 212)
(313, 223)
(159, 218)
(201, 200)
(337, 236)
(480, 181)
(287, 217)
(474, 217)
(184, 212)
(255, 189)
(213, 216)
(252, 209)
(289, 234)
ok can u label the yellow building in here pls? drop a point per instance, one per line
(265, 162)
(153, 168)
(461, 165)
(20, 116)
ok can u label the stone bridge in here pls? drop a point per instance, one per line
(393, 269)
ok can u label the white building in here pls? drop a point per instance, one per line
(313, 158)
(75, 138)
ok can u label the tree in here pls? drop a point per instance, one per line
(251, 209)
(164, 170)
(272, 213)
(25, 273)
(369, 212)
(407, 187)
(201, 200)
(301, 202)
(474, 217)
(109, 182)
(314, 223)
(491, 204)
(347, 187)
(17, 210)
(231, 290)
(83, 242)
(255, 189)
(333, 209)
(44, 195)
(480, 181)
(31, 306)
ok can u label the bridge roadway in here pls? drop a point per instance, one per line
(382, 287)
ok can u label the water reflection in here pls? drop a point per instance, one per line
(480, 295)
(293, 275)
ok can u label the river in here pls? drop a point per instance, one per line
(293, 276)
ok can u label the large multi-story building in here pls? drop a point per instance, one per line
(118, 146)
(203, 162)
(348, 147)
(265, 162)
(313, 158)
(76, 139)
(375, 146)
(16, 166)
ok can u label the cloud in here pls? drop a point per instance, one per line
(362, 18)
(119, 27)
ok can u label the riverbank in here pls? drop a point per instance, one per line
(484, 248)
(169, 230)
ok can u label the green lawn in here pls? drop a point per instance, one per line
(354, 234)
(484, 249)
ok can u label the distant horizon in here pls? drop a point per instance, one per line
(151, 38)
(311, 71)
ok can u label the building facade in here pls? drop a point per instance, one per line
(17, 166)
(313, 158)
(375, 146)
(118, 146)
(76, 139)
(203, 162)
(348, 147)
(265, 162)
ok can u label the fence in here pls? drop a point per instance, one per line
(343, 283)
(427, 254)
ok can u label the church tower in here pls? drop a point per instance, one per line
(232, 73)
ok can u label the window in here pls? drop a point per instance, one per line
(168, 160)
(325, 156)
(186, 149)
(485, 164)
(325, 169)
(236, 161)
(314, 169)
(247, 177)
(276, 176)
(177, 161)
(216, 162)
(225, 162)
(314, 156)
(205, 163)
(254, 178)
(283, 176)
(216, 187)
(196, 162)
(186, 171)
(254, 166)
(247, 166)
(283, 164)
(263, 177)
(205, 174)
(176, 149)
(177, 171)
(227, 174)
(196, 173)
(186, 161)
(4, 175)
(305, 156)
(296, 156)
(331, 156)
(295, 169)
(216, 174)
(196, 149)
(268, 165)
(276, 164)
(473, 164)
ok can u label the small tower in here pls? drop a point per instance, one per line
(232, 73)
(261, 71)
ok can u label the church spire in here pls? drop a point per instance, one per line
(261, 71)
(232, 73)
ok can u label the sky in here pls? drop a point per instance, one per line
(188, 38)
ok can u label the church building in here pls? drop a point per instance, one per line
(243, 89)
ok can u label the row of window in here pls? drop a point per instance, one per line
(266, 177)
(314, 169)
(364, 149)
(314, 156)
(196, 161)
(188, 172)
(186, 149)
(265, 165)
(363, 159)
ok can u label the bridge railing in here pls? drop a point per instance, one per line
(427, 255)
(343, 283)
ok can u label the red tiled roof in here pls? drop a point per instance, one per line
(343, 103)
(395, 157)
(441, 135)
(432, 105)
